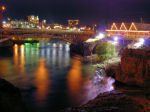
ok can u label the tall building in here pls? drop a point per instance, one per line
(73, 23)
(33, 19)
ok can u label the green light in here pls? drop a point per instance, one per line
(29, 39)
(27, 44)
(38, 44)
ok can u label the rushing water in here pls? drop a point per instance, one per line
(49, 79)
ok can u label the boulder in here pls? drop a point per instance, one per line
(135, 67)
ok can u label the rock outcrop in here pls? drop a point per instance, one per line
(10, 98)
(115, 101)
(135, 67)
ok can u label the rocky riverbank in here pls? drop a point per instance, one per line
(117, 101)
(132, 90)
(10, 98)
(135, 67)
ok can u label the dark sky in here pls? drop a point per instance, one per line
(88, 11)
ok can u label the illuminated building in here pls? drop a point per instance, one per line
(33, 19)
(7, 25)
(132, 31)
(85, 28)
(57, 26)
(22, 24)
(73, 23)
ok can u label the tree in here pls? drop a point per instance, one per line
(105, 51)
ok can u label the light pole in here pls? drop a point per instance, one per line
(2, 9)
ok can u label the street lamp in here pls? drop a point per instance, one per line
(100, 36)
(2, 9)
(116, 38)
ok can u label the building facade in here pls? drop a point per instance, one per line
(131, 31)
(73, 23)
(22, 24)
(33, 19)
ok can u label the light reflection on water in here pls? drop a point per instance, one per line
(74, 79)
(41, 80)
(22, 59)
(49, 78)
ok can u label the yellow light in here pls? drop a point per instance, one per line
(16, 46)
(133, 27)
(114, 27)
(16, 57)
(3, 8)
(22, 50)
(95, 25)
(13, 38)
(16, 49)
(123, 27)
(127, 31)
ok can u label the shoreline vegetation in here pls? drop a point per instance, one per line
(109, 65)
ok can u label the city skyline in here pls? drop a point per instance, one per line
(87, 11)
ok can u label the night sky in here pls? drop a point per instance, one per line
(88, 11)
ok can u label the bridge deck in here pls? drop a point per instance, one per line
(38, 31)
(67, 35)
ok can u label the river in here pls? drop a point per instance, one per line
(48, 77)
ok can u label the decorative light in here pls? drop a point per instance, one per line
(127, 31)
(123, 27)
(114, 27)
(133, 27)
